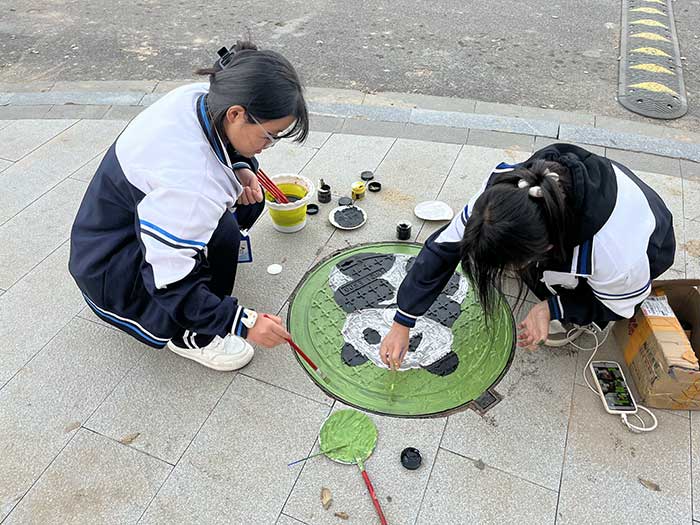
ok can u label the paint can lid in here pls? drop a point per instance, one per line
(411, 458)
(311, 209)
(345, 201)
(274, 269)
(366, 175)
(374, 186)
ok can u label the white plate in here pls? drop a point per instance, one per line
(331, 217)
(433, 211)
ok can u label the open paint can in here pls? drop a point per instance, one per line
(290, 217)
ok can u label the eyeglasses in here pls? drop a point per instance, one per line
(271, 139)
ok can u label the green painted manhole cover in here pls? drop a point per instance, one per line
(345, 305)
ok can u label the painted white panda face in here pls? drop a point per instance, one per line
(365, 286)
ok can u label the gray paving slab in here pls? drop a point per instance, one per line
(106, 86)
(645, 162)
(643, 128)
(471, 169)
(629, 141)
(38, 230)
(288, 157)
(35, 309)
(16, 112)
(383, 113)
(235, 471)
(286, 520)
(415, 100)
(495, 108)
(535, 408)
(544, 128)
(87, 171)
(149, 99)
(24, 136)
(279, 367)
(690, 170)
(496, 139)
(5, 123)
(691, 198)
(316, 139)
(93, 480)
(434, 133)
(390, 479)
(87, 314)
(5, 98)
(89, 111)
(47, 401)
(692, 249)
(165, 401)
(604, 463)
(168, 85)
(122, 112)
(31, 177)
(325, 123)
(4, 164)
(20, 87)
(541, 142)
(460, 491)
(353, 126)
(123, 98)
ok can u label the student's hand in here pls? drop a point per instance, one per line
(252, 192)
(395, 345)
(534, 329)
(268, 331)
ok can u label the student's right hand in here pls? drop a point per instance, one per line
(268, 331)
(395, 345)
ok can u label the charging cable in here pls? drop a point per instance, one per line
(593, 330)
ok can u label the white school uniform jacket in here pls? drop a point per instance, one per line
(624, 238)
(139, 240)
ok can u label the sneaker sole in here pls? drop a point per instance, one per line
(557, 343)
(221, 367)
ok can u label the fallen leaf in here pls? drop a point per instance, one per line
(129, 438)
(342, 515)
(326, 498)
(480, 464)
(650, 484)
(70, 427)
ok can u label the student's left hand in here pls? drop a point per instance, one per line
(534, 329)
(252, 192)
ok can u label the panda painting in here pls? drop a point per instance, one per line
(365, 287)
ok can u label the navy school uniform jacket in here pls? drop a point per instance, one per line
(139, 241)
(623, 239)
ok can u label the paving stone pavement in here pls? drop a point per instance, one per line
(96, 428)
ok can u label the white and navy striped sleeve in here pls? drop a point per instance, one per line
(174, 226)
(622, 292)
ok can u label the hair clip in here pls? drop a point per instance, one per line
(225, 57)
(522, 183)
(551, 175)
(535, 192)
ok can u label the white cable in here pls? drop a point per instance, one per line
(598, 344)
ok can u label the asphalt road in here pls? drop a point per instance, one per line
(560, 55)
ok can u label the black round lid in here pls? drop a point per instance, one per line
(311, 209)
(411, 458)
(345, 201)
(366, 175)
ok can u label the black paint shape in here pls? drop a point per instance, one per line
(409, 264)
(348, 217)
(345, 201)
(445, 366)
(352, 357)
(444, 311)
(363, 264)
(411, 458)
(414, 342)
(368, 296)
(371, 336)
(452, 285)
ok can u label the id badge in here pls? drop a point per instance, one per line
(245, 253)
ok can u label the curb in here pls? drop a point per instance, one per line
(397, 108)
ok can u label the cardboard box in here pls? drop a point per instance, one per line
(662, 360)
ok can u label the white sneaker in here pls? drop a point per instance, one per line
(562, 334)
(223, 353)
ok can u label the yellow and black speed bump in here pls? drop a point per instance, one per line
(651, 76)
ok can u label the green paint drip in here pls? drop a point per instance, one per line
(316, 321)
(348, 436)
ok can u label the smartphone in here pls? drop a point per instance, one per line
(612, 387)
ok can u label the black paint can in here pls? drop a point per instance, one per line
(324, 194)
(403, 231)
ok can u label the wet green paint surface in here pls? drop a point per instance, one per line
(316, 322)
(348, 435)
